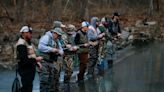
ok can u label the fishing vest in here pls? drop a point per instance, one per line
(70, 40)
(102, 28)
(30, 48)
(51, 43)
(83, 39)
(64, 39)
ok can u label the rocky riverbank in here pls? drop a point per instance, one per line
(138, 35)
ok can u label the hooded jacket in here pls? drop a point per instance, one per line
(93, 33)
(46, 43)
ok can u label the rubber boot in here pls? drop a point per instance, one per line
(110, 63)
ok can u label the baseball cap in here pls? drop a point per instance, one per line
(26, 29)
(85, 24)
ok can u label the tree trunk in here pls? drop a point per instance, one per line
(56, 10)
(157, 5)
(112, 3)
(19, 10)
(7, 15)
(151, 7)
(25, 12)
(14, 3)
(65, 7)
(80, 12)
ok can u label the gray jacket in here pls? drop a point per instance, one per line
(46, 43)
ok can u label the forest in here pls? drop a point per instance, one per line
(43, 12)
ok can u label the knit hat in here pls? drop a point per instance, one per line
(58, 24)
(26, 29)
(57, 30)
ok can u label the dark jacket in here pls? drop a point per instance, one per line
(22, 54)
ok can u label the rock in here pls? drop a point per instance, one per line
(7, 56)
(151, 23)
(142, 23)
(124, 35)
(7, 65)
(139, 23)
(131, 37)
(6, 37)
(141, 38)
(7, 49)
(130, 29)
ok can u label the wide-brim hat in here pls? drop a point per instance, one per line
(57, 30)
(71, 28)
(58, 24)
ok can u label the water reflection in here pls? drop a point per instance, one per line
(141, 72)
(67, 87)
(99, 83)
(106, 82)
(82, 87)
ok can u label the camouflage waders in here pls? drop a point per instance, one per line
(70, 57)
(68, 68)
(49, 77)
(50, 73)
(69, 62)
(93, 58)
(109, 53)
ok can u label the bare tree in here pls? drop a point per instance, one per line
(66, 5)
(14, 2)
(7, 16)
(57, 9)
(80, 8)
(19, 8)
(113, 3)
(157, 5)
(151, 7)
